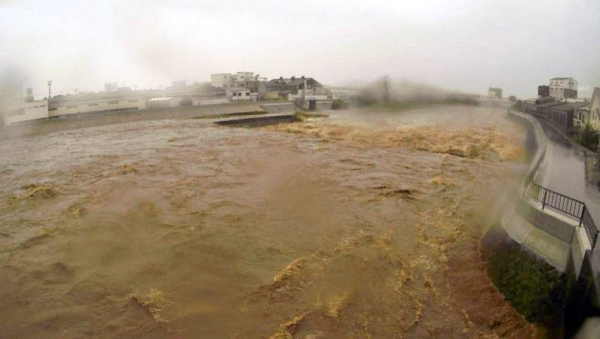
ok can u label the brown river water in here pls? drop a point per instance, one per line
(360, 225)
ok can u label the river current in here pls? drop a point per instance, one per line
(363, 224)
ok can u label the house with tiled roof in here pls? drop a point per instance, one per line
(283, 87)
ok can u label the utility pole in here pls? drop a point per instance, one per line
(49, 89)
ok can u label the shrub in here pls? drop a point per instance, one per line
(339, 104)
(589, 137)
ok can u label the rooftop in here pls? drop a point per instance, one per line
(569, 106)
(294, 81)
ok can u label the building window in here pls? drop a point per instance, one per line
(133, 101)
(90, 105)
(113, 102)
(71, 106)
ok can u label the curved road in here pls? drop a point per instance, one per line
(571, 171)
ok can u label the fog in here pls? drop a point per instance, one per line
(464, 45)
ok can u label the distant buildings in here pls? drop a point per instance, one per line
(495, 92)
(238, 80)
(223, 88)
(595, 108)
(307, 93)
(563, 88)
(590, 113)
(560, 114)
(543, 91)
(15, 109)
(24, 111)
(126, 100)
(284, 87)
(494, 99)
(242, 86)
(241, 94)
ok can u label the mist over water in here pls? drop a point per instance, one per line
(355, 226)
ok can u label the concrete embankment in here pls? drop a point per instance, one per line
(553, 237)
(258, 120)
(546, 233)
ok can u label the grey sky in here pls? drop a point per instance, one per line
(462, 45)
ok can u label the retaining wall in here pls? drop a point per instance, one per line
(543, 232)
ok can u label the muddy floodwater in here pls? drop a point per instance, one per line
(363, 224)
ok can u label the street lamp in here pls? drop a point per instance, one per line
(49, 89)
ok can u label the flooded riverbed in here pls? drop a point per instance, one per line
(360, 225)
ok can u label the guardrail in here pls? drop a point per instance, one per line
(590, 226)
(566, 205)
(555, 200)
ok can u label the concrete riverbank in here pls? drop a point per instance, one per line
(551, 235)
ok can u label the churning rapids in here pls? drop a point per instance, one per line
(364, 224)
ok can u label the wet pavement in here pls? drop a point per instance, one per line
(572, 171)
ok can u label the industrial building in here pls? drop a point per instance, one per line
(24, 111)
(563, 88)
(126, 100)
(495, 92)
(93, 105)
(238, 80)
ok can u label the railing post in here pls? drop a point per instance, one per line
(544, 199)
(582, 214)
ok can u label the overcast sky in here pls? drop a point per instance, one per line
(462, 45)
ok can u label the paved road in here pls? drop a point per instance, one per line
(566, 172)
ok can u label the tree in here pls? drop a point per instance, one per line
(339, 104)
(512, 98)
(518, 105)
(590, 137)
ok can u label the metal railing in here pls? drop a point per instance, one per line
(590, 227)
(566, 205)
(555, 200)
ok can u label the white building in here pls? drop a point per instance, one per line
(493, 102)
(563, 88)
(24, 111)
(227, 80)
(163, 102)
(221, 80)
(310, 95)
(240, 94)
(69, 107)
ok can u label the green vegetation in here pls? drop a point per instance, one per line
(519, 105)
(339, 104)
(534, 288)
(588, 137)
